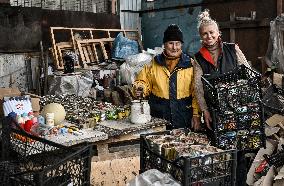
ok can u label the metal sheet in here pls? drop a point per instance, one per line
(130, 20)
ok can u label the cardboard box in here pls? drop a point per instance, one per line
(14, 92)
(278, 79)
(7, 92)
(35, 101)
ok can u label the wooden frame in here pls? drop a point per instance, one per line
(90, 43)
(60, 49)
(88, 50)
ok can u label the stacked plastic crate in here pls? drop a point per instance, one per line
(236, 102)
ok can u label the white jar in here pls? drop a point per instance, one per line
(137, 115)
(50, 119)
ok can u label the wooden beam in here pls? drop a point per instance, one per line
(245, 24)
(113, 6)
(232, 30)
(279, 7)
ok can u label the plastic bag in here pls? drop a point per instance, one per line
(133, 66)
(123, 47)
(275, 49)
(153, 177)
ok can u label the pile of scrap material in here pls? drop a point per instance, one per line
(273, 100)
(123, 127)
(86, 110)
(268, 165)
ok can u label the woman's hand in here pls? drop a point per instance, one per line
(207, 119)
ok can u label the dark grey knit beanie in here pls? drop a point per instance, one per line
(173, 33)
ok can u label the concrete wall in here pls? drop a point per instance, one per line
(155, 23)
(251, 36)
(13, 72)
(22, 28)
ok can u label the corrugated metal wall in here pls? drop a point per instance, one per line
(130, 20)
(155, 23)
(96, 6)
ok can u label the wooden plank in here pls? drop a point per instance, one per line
(86, 54)
(86, 41)
(91, 34)
(60, 64)
(232, 30)
(278, 79)
(279, 7)
(116, 172)
(95, 52)
(90, 51)
(103, 146)
(245, 24)
(274, 120)
(73, 39)
(64, 45)
(54, 49)
(113, 6)
(103, 50)
(93, 29)
(81, 53)
(108, 33)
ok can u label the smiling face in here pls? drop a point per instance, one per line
(209, 34)
(173, 48)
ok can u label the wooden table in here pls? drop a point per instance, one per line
(118, 159)
(117, 147)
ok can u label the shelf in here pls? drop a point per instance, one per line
(245, 24)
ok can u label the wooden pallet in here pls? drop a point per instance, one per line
(91, 44)
(94, 50)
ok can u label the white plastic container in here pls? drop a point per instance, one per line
(50, 119)
(140, 112)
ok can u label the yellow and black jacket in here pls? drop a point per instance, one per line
(171, 95)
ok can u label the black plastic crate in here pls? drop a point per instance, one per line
(273, 100)
(42, 162)
(235, 99)
(213, 169)
(7, 169)
(244, 93)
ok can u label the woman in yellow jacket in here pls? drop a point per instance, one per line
(168, 82)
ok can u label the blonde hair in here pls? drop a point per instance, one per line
(204, 19)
